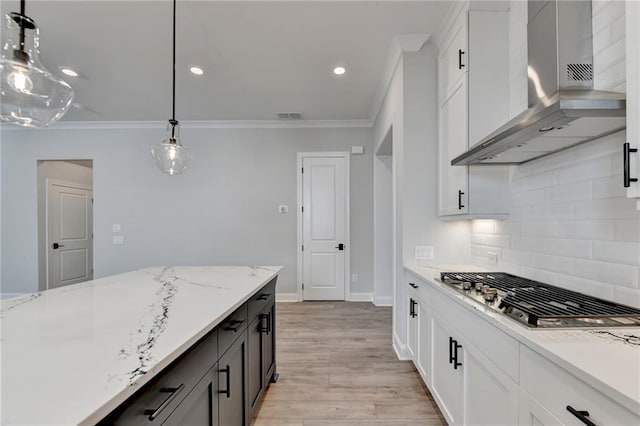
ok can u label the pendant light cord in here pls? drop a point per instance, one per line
(173, 114)
(22, 12)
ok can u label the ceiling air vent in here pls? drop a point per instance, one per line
(289, 116)
(580, 72)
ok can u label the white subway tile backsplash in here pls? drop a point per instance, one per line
(593, 168)
(490, 240)
(570, 192)
(517, 257)
(565, 247)
(483, 226)
(587, 229)
(525, 243)
(613, 208)
(541, 229)
(555, 211)
(609, 187)
(626, 230)
(544, 179)
(626, 296)
(504, 227)
(553, 263)
(617, 252)
(607, 272)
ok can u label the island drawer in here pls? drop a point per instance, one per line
(262, 298)
(154, 404)
(232, 328)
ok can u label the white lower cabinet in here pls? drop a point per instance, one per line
(423, 363)
(566, 399)
(531, 413)
(467, 386)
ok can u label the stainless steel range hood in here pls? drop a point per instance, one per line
(564, 110)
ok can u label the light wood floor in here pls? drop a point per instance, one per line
(337, 367)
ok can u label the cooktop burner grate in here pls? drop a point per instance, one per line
(543, 301)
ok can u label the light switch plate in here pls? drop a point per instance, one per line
(424, 253)
(118, 239)
(354, 278)
(492, 258)
(116, 228)
(357, 149)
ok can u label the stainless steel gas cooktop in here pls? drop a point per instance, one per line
(539, 305)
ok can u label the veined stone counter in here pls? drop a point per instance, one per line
(73, 354)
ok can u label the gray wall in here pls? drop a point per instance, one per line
(60, 170)
(223, 210)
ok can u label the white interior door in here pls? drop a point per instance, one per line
(69, 233)
(324, 223)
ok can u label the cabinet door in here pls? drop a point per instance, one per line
(232, 378)
(424, 343)
(412, 331)
(485, 388)
(447, 383)
(632, 13)
(452, 141)
(200, 407)
(254, 365)
(269, 344)
(531, 413)
(452, 57)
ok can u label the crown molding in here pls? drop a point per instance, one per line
(203, 124)
(399, 45)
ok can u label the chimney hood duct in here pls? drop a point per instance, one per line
(564, 110)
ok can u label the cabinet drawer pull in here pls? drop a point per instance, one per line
(450, 350)
(264, 296)
(263, 327)
(582, 415)
(460, 64)
(456, 346)
(227, 371)
(234, 325)
(626, 150)
(460, 205)
(415, 313)
(413, 285)
(173, 392)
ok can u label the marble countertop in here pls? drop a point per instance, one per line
(607, 359)
(73, 354)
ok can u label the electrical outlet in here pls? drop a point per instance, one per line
(116, 228)
(118, 240)
(354, 278)
(424, 253)
(492, 258)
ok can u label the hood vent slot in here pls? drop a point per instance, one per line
(580, 72)
(289, 116)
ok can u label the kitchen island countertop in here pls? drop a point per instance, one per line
(73, 354)
(607, 359)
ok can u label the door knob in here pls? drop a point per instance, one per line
(56, 246)
(340, 247)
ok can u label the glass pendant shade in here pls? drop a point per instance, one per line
(171, 157)
(30, 95)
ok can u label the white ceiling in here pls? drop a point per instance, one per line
(260, 58)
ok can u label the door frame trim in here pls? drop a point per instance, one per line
(48, 183)
(346, 156)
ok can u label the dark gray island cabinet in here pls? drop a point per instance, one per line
(219, 380)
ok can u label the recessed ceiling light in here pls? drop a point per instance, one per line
(196, 70)
(69, 72)
(339, 70)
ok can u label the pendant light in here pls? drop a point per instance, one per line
(30, 95)
(171, 157)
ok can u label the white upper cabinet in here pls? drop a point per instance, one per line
(633, 96)
(473, 87)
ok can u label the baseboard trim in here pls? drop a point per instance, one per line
(361, 297)
(402, 351)
(287, 297)
(8, 295)
(383, 301)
